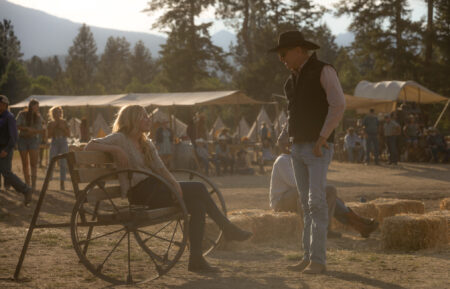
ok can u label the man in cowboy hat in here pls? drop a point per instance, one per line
(316, 104)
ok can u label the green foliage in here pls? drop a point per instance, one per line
(49, 67)
(9, 45)
(188, 55)
(15, 82)
(113, 70)
(82, 63)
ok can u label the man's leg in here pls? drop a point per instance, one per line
(317, 168)
(331, 202)
(302, 180)
(14, 180)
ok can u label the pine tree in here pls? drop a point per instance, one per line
(142, 66)
(9, 45)
(114, 72)
(82, 63)
(188, 55)
(15, 82)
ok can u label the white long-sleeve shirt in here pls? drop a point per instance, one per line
(282, 178)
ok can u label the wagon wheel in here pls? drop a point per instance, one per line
(104, 227)
(213, 234)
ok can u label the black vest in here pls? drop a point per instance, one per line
(307, 103)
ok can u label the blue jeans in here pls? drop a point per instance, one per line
(372, 143)
(59, 146)
(311, 178)
(9, 176)
(340, 211)
(391, 142)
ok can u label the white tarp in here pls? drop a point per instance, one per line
(177, 125)
(144, 99)
(242, 129)
(69, 100)
(397, 91)
(74, 126)
(363, 105)
(254, 132)
(216, 128)
(100, 128)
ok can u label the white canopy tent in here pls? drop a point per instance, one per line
(177, 125)
(74, 126)
(216, 128)
(397, 91)
(254, 130)
(242, 129)
(144, 99)
(100, 128)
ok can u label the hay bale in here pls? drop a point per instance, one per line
(391, 207)
(267, 225)
(445, 215)
(413, 232)
(366, 210)
(445, 204)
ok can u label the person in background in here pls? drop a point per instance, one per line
(8, 138)
(58, 131)
(352, 145)
(130, 146)
(203, 154)
(264, 134)
(370, 124)
(242, 165)
(411, 132)
(283, 196)
(224, 161)
(43, 143)
(437, 144)
(85, 134)
(29, 123)
(164, 143)
(391, 131)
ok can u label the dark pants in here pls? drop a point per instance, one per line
(9, 177)
(372, 143)
(155, 194)
(391, 142)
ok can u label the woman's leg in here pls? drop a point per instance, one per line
(34, 156)
(25, 169)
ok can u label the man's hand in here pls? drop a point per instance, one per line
(321, 142)
(3, 154)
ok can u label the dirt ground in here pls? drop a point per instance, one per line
(353, 262)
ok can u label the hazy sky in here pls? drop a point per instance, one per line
(127, 15)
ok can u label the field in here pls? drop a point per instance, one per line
(353, 262)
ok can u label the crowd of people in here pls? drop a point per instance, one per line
(398, 136)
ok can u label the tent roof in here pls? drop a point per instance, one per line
(363, 105)
(67, 100)
(145, 99)
(397, 90)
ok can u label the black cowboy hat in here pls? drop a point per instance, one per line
(290, 39)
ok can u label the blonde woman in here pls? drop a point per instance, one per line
(29, 124)
(132, 149)
(58, 131)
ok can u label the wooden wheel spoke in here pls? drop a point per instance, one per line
(113, 249)
(102, 187)
(151, 236)
(101, 236)
(160, 238)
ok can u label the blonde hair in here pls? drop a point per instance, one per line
(51, 113)
(126, 122)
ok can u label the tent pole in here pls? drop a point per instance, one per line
(442, 113)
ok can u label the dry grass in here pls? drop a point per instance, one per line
(445, 204)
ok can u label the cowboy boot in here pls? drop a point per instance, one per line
(363, 225)
(27, 179)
